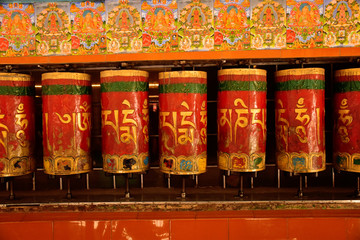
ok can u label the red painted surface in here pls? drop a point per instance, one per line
(17, 130)
(154, 229)
(125, 131)
(254, 54)
(66, 128)
(346, 136)
(300, 121)
(199, 229)
(278, 224)
(242, 113)
(89, 230)
(182, 128)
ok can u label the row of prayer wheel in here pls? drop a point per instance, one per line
(241, 111)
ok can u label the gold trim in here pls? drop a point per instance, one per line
(242, 71)
(182, 74)
(347, 72)
(16, 77)
(65, 75)
(124, 73)
(180, 173)
(300, 71)
(284, 162)
(58, 173)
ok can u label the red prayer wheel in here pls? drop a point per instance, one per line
(241, 119)
(347, 120)
(183, 122)
(66, 123)
(17, 124)
(299, 120)
(125, 121)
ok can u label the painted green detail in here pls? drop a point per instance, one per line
(257, 161)
(17, 91)
(242, 86)
(65, 90)
(300, 84)
(183, 88)
(124, 87)
(350, 86)
(357, 161)
(340, 160)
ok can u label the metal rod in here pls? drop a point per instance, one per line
(7, 186)
(278, 177)
(224, 181)
(12, 195)
(300, 192)
(114, 181)
(61, 183)
(357, 192)
(290, 174)
(316, 174)
(256, 174)
(127, 187)
(333, 177)
(306, 183)
(252, 182)
(196, 181)
(168, 181)
(142, 181)
(241, 188)
(68, 195)
(33, 181)
(183, 192)
(87, 182)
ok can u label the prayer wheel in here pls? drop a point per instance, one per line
(17, 124)
(241, 120)
(125, 121)
(183, 122)
(347, 120)
(299, 120)
(66, 123)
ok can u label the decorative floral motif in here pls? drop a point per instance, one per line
(17, 29)
(341, 21)
(305, 19)
(53, 26)
(268, 25)
(123, 26)
(160, 24)
(232, 22)
(88, 25)
(196, 26)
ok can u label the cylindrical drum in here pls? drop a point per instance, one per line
(125, 120)
(241, 119)
(17, 124)
(347, 120)
(66, 122)
(299, 120)
(183, 122)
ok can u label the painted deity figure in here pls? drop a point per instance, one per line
(196, 19)
(53, 23)
(160, 20)
(268, 17)
(17, 26)
(342, 14)
(88, 22)
(305, 17)
(233, 21)
(124, 21)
